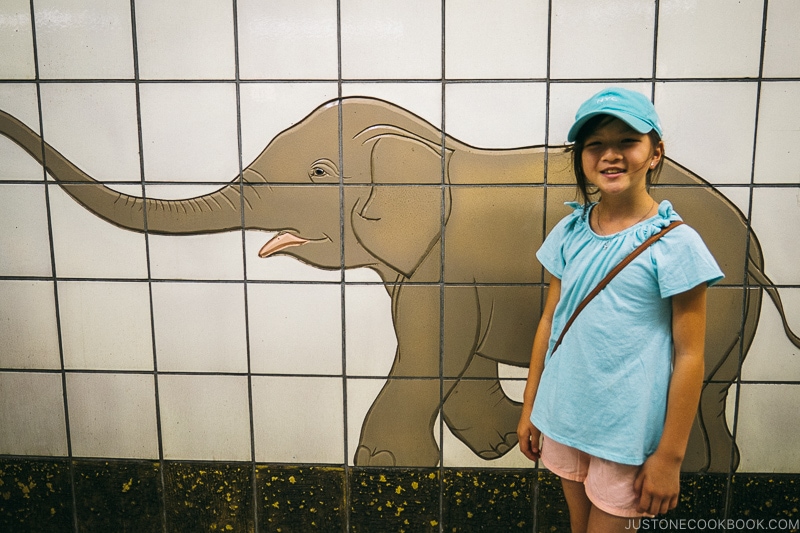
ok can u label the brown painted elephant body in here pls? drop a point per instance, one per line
(452, 230)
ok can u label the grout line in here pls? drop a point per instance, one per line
(54, 274)
(154, 347)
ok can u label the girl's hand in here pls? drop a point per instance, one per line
(658, 484)
(529, 439)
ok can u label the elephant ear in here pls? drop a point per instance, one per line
(408, 204)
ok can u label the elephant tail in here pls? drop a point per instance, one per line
(215, 212)
(757, 273)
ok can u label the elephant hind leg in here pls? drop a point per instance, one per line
(478, 412)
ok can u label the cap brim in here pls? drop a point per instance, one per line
(637, 124)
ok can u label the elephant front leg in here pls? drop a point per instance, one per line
(398, 429)
(480, 414)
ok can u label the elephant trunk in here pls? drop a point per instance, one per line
(215, 212)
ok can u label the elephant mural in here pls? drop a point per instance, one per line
(361, 182)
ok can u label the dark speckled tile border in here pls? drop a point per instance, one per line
(139, 496)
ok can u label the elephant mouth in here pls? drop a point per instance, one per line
(279, 242)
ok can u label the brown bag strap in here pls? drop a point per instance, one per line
(616, 270)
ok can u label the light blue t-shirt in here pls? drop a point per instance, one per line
(604, 391)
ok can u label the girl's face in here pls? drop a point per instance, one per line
(616, 158)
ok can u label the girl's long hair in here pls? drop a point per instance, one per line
(585, 189)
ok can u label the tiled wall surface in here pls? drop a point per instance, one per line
(118, 345)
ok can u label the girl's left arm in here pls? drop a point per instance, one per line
(658, 482)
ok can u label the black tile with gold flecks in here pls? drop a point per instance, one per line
(488, 500)
(35, 496)
(209, 496)
(766, 497)
(396, 500)
(118, 496)
(552, 514)
(299, 499)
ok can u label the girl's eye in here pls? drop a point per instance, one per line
(318, 172)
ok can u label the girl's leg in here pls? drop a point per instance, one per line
(602, 522)
(578, 503)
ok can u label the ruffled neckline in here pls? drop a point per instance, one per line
(644, 229)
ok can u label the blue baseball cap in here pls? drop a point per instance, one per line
(631, 107)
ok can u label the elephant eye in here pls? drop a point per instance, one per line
(323, 169)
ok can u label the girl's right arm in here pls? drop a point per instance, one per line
(527, 433)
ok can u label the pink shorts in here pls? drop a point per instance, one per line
(609, 485)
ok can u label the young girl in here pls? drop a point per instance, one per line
(614, 404)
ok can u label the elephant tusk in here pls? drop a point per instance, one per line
(279, 242)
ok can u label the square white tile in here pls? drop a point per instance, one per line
(189, 132)
(774, 211)
(566, 98)
(602, 39)
(94, 126)
(105, 325)
(767, 427)
(204, 417)
(370, 336)
(781, 45)
(84, 39)
(24, 231)
(287, 39)
(32, 414)
(772, 356)
(391, 40)
(485, 40)
(708, 127)
(86, 246)
(295, 328)
(16, 40)
(199, 327)
(496, 115)
(778, 139)
(112, 415)
(709, 38)
(185, 40)
(28, 332)
(291, 415)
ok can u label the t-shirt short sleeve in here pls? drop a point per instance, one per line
(683, 262)
(551, 253)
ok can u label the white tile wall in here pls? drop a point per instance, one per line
(33, 405)
(105, 325)
(185, 39)
(24, 223)
(604, 39)
(200, 327)
(481, 39)
(189, 132)
(316, 432)
(287, 39)
(709, 38)
(16, 40)
(514, 73)
(88, 39)
(778, 141)
(391, 40)
(295, 328)
(28, 325)
(781, 46)
(205, 417)
(112, 415)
